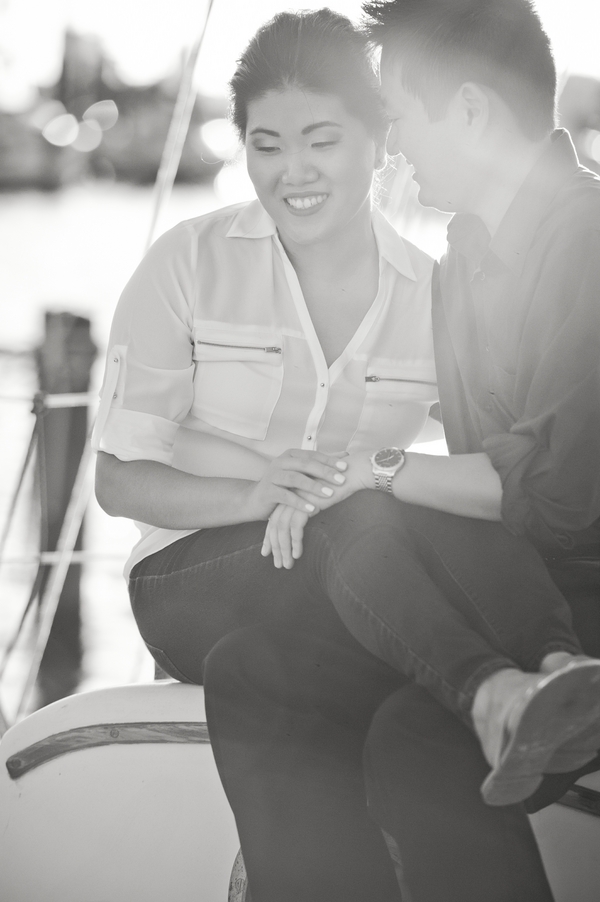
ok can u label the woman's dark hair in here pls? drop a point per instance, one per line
(317, 51)
(440, 44)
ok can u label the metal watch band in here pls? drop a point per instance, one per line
(383, 481)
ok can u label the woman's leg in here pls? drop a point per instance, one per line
(188, 596)
(288, 714)
(291, 768)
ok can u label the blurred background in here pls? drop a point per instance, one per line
(87, 92)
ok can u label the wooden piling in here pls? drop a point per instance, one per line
(64, 362)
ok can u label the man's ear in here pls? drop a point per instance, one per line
(472, 109)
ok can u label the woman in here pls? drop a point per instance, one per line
(253, 348)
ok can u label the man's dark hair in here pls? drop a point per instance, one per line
(316, 51)
(499, 44)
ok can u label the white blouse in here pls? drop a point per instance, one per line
(215, 368)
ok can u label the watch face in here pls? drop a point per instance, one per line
(388, 457)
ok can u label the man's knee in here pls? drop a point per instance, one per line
(360, 517)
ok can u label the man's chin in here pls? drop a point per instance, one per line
(427, 199)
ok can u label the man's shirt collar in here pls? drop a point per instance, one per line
(253, 221)
(511, 243)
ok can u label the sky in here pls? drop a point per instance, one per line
(146, 38)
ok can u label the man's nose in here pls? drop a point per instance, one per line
(392, 144)
(298, 169)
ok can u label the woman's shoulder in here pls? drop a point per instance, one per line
(403, 254)
(233, 220)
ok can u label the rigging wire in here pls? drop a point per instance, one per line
(82, 488)
(178, 130)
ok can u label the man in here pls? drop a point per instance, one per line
(470, 88)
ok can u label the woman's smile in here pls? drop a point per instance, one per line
(311, 164)
(305, 204)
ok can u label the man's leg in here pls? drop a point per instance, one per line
(423, 769)
(446, 600)
(288, 714)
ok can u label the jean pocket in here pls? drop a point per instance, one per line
(164, 661)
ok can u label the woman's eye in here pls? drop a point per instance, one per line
(324, 143)
(267, 149)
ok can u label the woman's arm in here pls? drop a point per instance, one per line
(162, 496)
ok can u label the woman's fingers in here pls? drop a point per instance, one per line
(321, 483)
(305, 480)
(283, 536)
(274, 536)
(297, 524)
(325, 467)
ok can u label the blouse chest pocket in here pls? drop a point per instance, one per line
(396, 404)
(238, 378)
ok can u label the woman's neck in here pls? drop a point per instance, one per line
(331, 259)
(339, 281)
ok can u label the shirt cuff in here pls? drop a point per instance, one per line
(131, 435)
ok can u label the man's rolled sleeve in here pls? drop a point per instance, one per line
(549, 460)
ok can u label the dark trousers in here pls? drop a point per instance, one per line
(441, 599)
(318, 749)
(318, 736)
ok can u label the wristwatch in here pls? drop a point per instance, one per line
(386, 462)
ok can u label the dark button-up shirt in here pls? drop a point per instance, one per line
(517, 334)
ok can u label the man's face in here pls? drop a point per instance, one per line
(433, 149)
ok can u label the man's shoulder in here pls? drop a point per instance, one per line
(577, 203)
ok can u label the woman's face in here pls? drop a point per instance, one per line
(311, 164)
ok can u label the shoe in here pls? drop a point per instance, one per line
(576, 752)
(553, 786)
(549, 713)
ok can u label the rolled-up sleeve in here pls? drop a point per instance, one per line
(148, 383)
(549, 460)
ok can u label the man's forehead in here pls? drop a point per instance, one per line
(393, 92)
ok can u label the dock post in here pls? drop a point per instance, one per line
(64, 362)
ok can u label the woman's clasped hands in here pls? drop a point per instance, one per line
(314, 482)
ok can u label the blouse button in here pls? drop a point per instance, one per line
(322, 384)
(309, 438)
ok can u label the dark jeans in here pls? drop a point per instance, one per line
(444, 600)
(294, 700)
(306, 732)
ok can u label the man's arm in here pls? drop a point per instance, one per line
(463, 484)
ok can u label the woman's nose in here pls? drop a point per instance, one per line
(298, 169)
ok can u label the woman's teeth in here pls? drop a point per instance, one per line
(303, 203)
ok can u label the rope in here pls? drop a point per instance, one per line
(67, 399)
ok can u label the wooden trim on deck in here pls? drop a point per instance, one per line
(582, 798)
(103, 734)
